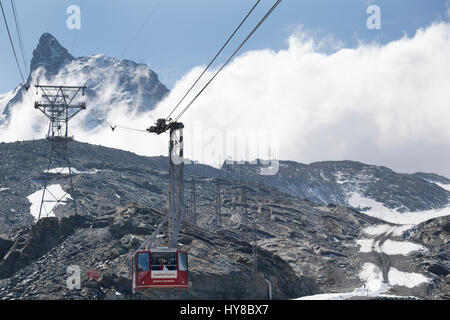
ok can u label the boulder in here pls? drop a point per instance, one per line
(37, 241)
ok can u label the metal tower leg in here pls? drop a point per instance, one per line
(57, 148)
(176, 191)
(218, 206)
(176, 186)
(193, 203)
(244, 213)
(254, 246)
(59, 106)
(72, 190)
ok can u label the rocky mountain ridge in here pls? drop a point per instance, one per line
(336, 181)
(110, 82)
(304, 247)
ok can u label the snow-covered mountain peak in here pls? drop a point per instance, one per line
(50, 54)
(118, 86)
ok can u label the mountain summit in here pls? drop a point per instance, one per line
(112, 84)
(50, 54)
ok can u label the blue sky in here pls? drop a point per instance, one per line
(180, 34)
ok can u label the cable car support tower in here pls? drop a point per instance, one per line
(176, 187)
(176, 183)
(176, 169)
(59, 107)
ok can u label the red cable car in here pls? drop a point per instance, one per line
(167, 267)
(160, 268)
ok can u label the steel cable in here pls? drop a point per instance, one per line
(214, 59)
(232, 56)
(11, 41)
(19, 34)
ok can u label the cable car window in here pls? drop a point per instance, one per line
(143, 262)
(164, 261)
(182, 261)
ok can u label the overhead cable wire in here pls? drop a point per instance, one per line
(115, 126)
(232, 56)
(214, 59)
(131, 129)
(19, 34)
(152, 12)
(11, 41)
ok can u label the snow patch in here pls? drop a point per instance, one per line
(340, 179)
(366, 245)
(443, 186)
(387, 229)
(373, 277)
(74, 171)
(378, 210)
(406, 279)
(391, 247)
(54, 192)
(374, 286)
(335, 296)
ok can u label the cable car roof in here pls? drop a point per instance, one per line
(162, 249)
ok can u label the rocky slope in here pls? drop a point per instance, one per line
(337, 181)
(303, 247)
(220, 268)
(435, 235)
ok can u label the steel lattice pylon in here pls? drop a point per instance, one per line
(193, 203)
(176, 187)
(244, 213)
(218, 218)
(59, 107)
(255, 241)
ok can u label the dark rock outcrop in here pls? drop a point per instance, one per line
(438, 269)
(50, 55)
(334, 181)
(220, 267)
(36, 241)
(434, 235)
(5, 245)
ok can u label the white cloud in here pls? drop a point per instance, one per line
(380, 104)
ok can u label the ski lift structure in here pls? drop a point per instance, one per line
(166, 267)
(161, 268)
(153, 267)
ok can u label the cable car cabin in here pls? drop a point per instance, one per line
(160, 268)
